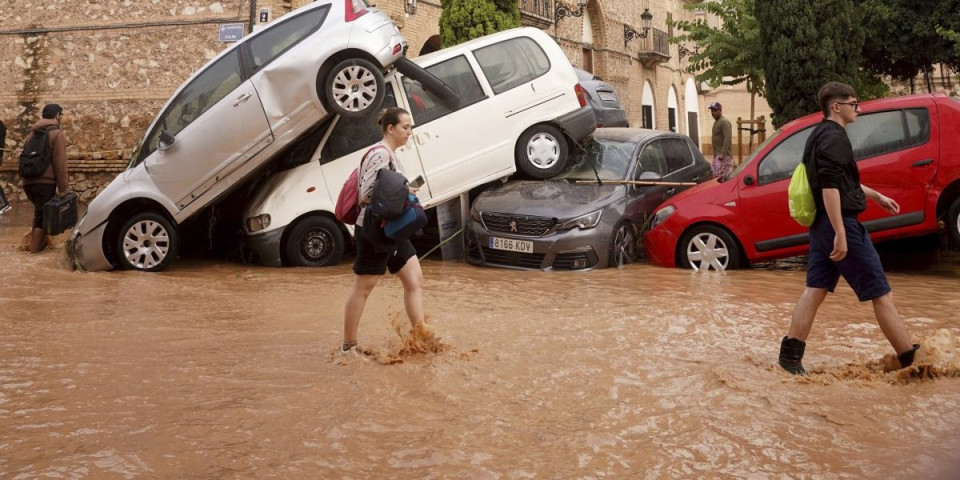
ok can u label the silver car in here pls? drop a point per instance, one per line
(603, 99)
(590, 216)
(239, 111)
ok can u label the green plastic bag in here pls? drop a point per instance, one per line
(800, 196)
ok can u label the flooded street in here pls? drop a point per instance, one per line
(218, 370)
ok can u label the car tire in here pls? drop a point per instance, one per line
(315, 242)
(147, 242)
(354, 88)
(623, 245)
(708, 247)
(953, 222)
(541, 152)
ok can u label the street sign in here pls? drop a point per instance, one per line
(231, 32)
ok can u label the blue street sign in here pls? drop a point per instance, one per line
(231, 32)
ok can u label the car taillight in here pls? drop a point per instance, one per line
(354, 9)
(581, 95)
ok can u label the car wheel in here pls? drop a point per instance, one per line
(315, 242)
(953, 222)
(709, 248)
(354, 88)
(623, 245)
(541, 152)
(147, 242)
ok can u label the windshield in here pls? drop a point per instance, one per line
(750, 157)
(610, 159)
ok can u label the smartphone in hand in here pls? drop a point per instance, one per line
(416, 182)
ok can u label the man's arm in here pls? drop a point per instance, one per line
(831, 202)
(727, 130)
(888, 204)
(60, 161)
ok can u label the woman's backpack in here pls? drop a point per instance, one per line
(347, 209)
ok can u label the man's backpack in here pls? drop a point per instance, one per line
(800, 197)
(347, 209)
(37, 154)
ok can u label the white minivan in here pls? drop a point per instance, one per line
(518, 106)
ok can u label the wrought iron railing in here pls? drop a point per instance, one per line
(661, 41)
(542, 8)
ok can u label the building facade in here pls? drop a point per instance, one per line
(112, 65)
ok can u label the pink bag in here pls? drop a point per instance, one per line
(348, 202)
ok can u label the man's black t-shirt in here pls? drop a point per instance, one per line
(833, 166)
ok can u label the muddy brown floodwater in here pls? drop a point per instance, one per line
(215, 370)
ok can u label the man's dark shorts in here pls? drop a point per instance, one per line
(370, 261)
(39, 194)
(861, 267)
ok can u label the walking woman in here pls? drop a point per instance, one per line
(372, 260)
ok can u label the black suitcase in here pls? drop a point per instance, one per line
(60, 213)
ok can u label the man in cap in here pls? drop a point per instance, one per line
(41, 189)
(722, 141)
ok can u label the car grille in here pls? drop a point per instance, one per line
(514, 259)
(575, 261)
(517, 224)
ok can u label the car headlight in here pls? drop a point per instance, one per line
(475, 215)
(255, 224)
(582, 222)
(662, 215)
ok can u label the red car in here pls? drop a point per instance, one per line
(908, 148)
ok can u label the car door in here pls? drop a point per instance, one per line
(762, 206)
(349, 138)
(216, 124)
(652, 159)
(457, 148)
(896, 157)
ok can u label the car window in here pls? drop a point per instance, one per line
(784, 158)
(511, 63)
(457, 74)
(884, 132)
(203, 92)
(270, 43)
(353, 133)
(653, 159)
(608, 159)
(677, 154)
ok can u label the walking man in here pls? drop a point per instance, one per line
(42, 189)
(722, 141)
(839, 244)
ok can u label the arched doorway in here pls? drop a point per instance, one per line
(691, 104)
(647, 107)
(431, 45)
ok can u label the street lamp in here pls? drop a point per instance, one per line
(629, 34)
(565, 11)
(410, 6)
(684, 51)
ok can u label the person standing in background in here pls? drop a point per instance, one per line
(722, 141)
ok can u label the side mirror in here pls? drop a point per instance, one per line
(748, 180)
(166, 140)
(649, 177)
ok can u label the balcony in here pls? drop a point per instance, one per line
(661, 49)
(536, 13)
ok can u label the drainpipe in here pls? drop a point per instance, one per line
(253, 15)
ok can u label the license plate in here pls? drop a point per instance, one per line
(525, 246)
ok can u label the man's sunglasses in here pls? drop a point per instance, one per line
(856, 105)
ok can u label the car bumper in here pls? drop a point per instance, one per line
(610, 117)
(266, 247)
(660, 245)
(568, 250)
(89, 248)
(579, 123)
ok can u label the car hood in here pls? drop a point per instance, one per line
(695, 190)
(547, 198)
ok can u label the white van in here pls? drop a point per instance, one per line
(519, 108)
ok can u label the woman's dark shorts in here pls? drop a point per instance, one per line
(861, 267)
(370, 261)
(39, 194)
